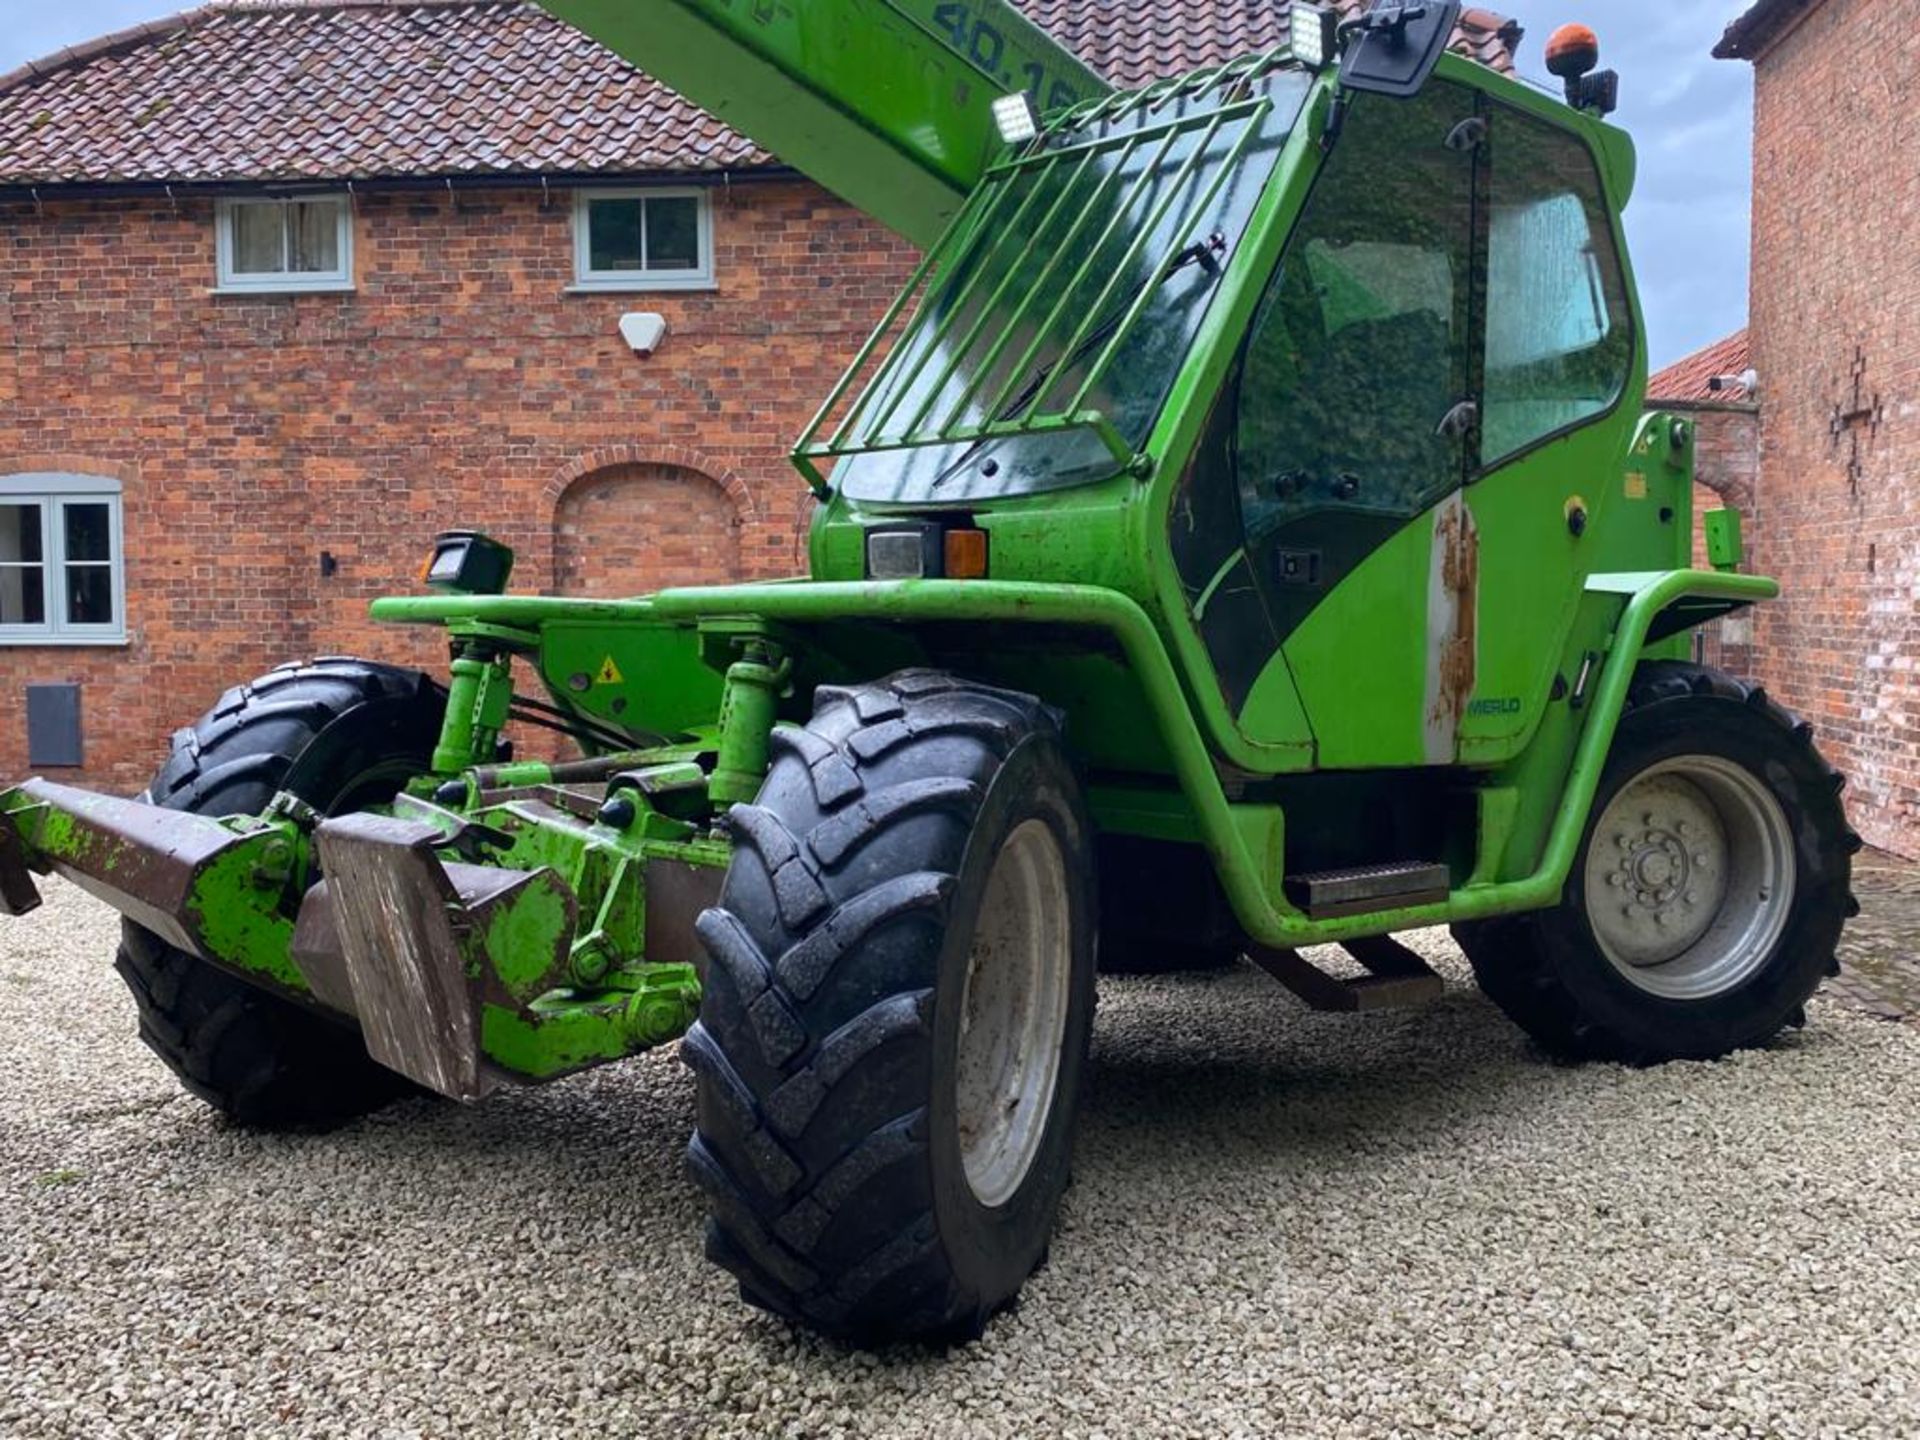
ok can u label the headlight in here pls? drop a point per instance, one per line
(466, 562)
(1312, 32)
(1015, 118)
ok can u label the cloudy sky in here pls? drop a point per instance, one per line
(1691, 114)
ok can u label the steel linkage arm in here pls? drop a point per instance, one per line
(558, 954)
(213, 888)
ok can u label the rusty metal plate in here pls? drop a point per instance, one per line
(390, 900)
(676, 894)
(414, 947)
(316, 951)
(140, 859)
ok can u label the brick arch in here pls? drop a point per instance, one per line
(1736, 492)
(630, 527)
(676, 457)
(71, 464)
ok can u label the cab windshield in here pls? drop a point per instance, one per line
(1045, 331)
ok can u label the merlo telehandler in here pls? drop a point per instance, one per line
(1244, 534)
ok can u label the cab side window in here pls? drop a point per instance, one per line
(1359, 354)
(1559, 336)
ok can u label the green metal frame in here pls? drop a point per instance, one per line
(1242, 839)
(1001, 219)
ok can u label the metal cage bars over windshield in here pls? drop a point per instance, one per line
(944, 378)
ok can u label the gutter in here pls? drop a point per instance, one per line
(1764, 26)
(1706, 407)
(39, 192)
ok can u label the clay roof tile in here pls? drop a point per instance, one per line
(359, 89)
(1690, 381)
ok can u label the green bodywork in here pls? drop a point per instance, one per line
(1480, 649)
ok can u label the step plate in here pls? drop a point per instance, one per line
(1366, 889)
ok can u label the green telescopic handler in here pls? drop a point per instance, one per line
(1245, 533)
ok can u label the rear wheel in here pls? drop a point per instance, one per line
(894, 1028)
(340, 734)
(1710, 890)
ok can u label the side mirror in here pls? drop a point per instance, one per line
(1393, 48)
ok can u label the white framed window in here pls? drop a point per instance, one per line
(280, 245)
(656, 239)
(62, 572)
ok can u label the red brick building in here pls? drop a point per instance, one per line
(291, 286)
(1835, 336)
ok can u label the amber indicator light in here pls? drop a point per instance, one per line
(1574, 50)
(966, 554)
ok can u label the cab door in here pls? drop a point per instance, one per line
(1552, 498)
(1351, 413)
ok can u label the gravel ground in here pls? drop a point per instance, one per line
(1282, 1224)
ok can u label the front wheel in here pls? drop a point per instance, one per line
(340, 734)
(1710, 890)
(894, 1027)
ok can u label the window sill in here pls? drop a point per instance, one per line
(329, 287)
(63, 642)
(639, 286)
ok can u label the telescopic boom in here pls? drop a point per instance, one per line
(887, 103)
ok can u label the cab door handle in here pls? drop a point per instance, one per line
(1461, 421)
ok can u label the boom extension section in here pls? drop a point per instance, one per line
(887, 103)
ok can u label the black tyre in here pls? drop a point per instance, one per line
(339, 734)
(1709, 892)
(893, 1035)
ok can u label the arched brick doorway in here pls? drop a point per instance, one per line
(630, 529)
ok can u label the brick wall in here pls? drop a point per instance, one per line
(1837, 272)
(459, 384)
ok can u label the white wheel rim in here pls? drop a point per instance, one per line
(1013, 1013)
(1690, 877)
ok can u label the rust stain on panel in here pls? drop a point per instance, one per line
(1453, 660)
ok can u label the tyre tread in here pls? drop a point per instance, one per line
(794, 1072)
(260, 1060)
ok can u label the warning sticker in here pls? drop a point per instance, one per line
(609, 673)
